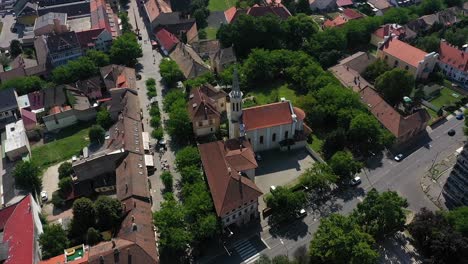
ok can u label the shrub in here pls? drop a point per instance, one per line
(167, 180)
(65, 169)
(157, 133)
(57, 199)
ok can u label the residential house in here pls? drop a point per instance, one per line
(29, 119)
(16, 144)
(166, 40)
(9, 111)
(322, 5)
(51, 23)
(92, 87)
(98, 39)
(402, 127)
(189, 61)
(229, 168)
(73, 9)
(62, 48)
(454, 62)
(270, 126)
(118, 76)
(343, 18)
(206, 48)
(20, 228)
(379, 6)
(344, 3)
(278, 10)
(222, 59)
(445, 18)
(397, 53)
(205, 107)
(183, 28)
(455, 189)
(153, 9)
(348, 71)
(387, 30)
(103, 17)
(27, 15)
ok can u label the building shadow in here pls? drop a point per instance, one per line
(276, 160)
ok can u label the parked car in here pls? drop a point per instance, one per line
(301, 213)
(138, 76)
(459, 117)
(355, 181)
(44, 196)
(399, 157)
(451, 132)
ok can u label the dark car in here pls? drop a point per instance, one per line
(459, 117)
(451, 132)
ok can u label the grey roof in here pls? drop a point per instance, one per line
(8, 99)
(63, 41)
(73, 9)
(28, 8)
(48, 19)
(54, 96)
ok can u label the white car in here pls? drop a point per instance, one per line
(301, 213)
(44, 196)
(399, 157)
(355, 181)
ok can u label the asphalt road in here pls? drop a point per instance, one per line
(383, 174)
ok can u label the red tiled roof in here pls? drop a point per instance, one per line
(29, 118)
(342, 3)
(299, 113)
(19, 231)
(229, 190)
(278, 10)
(156, 7)
(166, 39)
(102, 16)
(5, 214)
(351, 14)
(88, 37)
(230, 14)
(389, 29)
(452, 56)
(267, 116)
(403, 51)
(389, 117)
(337, 22)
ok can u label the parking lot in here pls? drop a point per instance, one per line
(280, 167)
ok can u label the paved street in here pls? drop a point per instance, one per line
(403, 177)
(6, 35)
(149, 68)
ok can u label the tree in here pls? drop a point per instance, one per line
(394, 85)
(429, 43)
(84, 216)
(24, 85)
(319, 177)
(396, 15)
(171, 98)
(167, 179)
(340, 240)
(190, 174)
(170, 72)
(103, 118)
(108, 212)
(99, 58)
(284, 202)
(125, 50)
(126, 26)
(365, 133)
(381, 214)
(65, 169)
(334, 141)
(96, 134)
(298, 28)
(79, 69)
(27, 177)
(375, 69)
(179, 125)
(458, 218)
(430, 6)
(187, 157)
(65, 186)
(450, 3)
(93, 236)
(15, 48)
(53, 241)
(343, 164)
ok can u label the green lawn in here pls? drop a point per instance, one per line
(220, 5)
(211, 32)
(316, 144)
(72, 140)
(446, 97)
(272, 93)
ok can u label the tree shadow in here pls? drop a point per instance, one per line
(294, 230)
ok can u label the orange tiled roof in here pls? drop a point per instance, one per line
(403, 51)
(269, 115)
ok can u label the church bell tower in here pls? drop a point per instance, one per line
(235, 107)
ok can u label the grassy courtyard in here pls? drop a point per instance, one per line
(447, 97)
(220, 5)
(272, 93)
(69, 142)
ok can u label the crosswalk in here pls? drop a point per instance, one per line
(246, 251)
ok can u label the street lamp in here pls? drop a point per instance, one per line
(282, 243)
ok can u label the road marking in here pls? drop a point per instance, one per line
(246, 251)
(264, 242)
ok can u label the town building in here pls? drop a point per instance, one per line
(189, 61)
(103, 17)
(73, 9)
(153, 9)
(205, 107)
(183, 28)
(278, 10)
(222, 59)
(387, 30)
(344, 3)
(27, 15)
(20, 228)
(397, 53)
(9, 110)
(455, 190)
(166, 40)
(270, 126)
(118, 76)
(343, 18)
(97, 39)
(454, 62)
(62, 48)
(229, 168)
(379, 6)
(51, 23)
(322, 5)
(16, 144)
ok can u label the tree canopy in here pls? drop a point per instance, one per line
(79, 69)
(343, 164)
(394, 85)
(187, 157)
(65, 169)
(15, 48)
(285, 202)
(96, 134)
(84, 217)
(375, 69)
(24, 85)
(27, 176)
(319, 177)
(108, 212)
(125, 50)
(170, 72)
(53, 241)
(103, 118)
(99, 58)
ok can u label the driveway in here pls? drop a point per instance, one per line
(6, 35)
(50, 180)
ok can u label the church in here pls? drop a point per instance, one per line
(270, 126)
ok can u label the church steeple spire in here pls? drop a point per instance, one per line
(235, 91)
(235, 111)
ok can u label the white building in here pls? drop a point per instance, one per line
(454, 62)
(16, 141)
